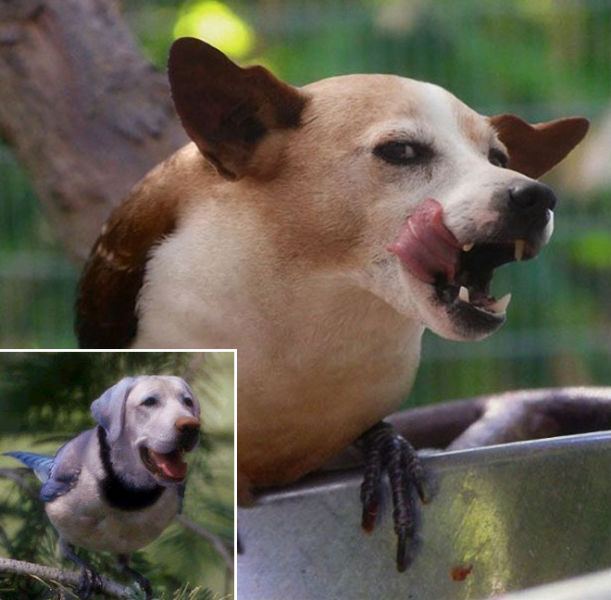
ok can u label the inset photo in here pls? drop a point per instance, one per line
(117, 475)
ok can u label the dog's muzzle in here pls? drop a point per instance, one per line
(461, 272)
(170, 466)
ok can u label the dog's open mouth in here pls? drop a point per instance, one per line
(460, 273)
(170, 466)
(470, 286)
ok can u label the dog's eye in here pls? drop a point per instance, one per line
(188, 402)
(497, 158)
(150, 401)
(399, 153)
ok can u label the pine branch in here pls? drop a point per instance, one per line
(216, 542)
(19, 476)
(71, 578)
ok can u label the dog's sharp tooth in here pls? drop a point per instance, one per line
(463, 293)
(467, 247)
(518, 250)
(500, 306)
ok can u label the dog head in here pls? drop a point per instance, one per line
(387, 183)
(150, 423)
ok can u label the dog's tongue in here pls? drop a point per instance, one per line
(425, 245)
(171, 464)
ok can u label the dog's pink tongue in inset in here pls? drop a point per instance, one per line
(171, 465)
(425, 245)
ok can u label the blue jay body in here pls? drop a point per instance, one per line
(78, 508)
(116, 487)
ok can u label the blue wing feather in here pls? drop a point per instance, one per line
(58, 474)
(53, 488)
(39, 463)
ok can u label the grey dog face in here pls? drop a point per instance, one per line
(150, 423)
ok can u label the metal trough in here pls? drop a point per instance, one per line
(505, 518)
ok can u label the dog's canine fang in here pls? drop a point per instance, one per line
(460, 274)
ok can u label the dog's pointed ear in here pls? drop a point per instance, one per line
(225, 109)
(109, 409)
(535, 149)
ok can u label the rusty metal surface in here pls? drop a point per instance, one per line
(505, 517)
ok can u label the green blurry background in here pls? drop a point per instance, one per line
(44, 401)
(538, 58)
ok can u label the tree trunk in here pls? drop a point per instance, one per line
(86, 114)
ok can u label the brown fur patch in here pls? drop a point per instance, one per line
(114, 273)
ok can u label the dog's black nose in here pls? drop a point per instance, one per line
(531, 196)
(188, 432)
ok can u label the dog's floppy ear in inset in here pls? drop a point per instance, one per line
(227, 110)
(109, 409)
(535, 149)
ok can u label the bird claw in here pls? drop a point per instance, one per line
(387, 451)
(139, 578)
(89, 583)
(145, 584)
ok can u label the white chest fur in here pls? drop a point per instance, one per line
(319, 358)
(84, 519)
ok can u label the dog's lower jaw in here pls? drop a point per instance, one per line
(418, 302)
(451, 321)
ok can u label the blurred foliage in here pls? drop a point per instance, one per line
(493, 54)
(36, 281)
(44, 400)
(216, 23)
(593, 250)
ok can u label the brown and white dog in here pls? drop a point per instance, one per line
(318, 230)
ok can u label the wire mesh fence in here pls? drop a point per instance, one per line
(538, 59)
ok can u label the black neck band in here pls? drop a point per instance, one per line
(118, 493)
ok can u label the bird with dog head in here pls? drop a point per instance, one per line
(117, 486)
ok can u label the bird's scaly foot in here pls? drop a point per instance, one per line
(89, 583)
(140, 579)
(386, 450)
